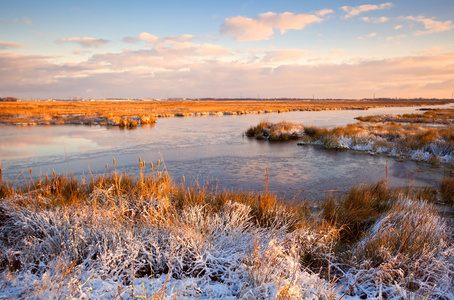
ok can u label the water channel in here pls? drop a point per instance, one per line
(210, 150)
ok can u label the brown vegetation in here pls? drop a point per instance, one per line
(435, 116)
(110, 112)
(421, 143)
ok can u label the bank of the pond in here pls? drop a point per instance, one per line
(117, 236)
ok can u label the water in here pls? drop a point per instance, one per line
(209, 150)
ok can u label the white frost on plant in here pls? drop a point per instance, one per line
(93, 252)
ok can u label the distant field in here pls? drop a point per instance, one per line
(113, 112)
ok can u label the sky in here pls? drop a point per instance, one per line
(226, 49)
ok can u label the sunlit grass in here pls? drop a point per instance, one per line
(433, 145)
(436, 116)
(115, 113)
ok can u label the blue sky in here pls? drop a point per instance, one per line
(159, 49)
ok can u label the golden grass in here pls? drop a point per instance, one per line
(356, 211)
(438, 116)
(282, 131)
(80, 112)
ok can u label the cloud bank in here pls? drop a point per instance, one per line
(187, 72)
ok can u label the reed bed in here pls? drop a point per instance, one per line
(433, 116)
(116, 236)
(420, 143)
(117, 113)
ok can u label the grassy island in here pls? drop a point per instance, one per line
(406, 141)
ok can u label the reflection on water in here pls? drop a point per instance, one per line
(209, 149)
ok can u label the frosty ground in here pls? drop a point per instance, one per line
(119, 237)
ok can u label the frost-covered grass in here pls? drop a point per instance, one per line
(433, 145)
(435, 116)
(122, 237)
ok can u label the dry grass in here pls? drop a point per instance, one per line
(436, 116)
(355, 212)
(71, 237)
(142, 112)
(282, 131)
(433, 145)
(447, 190)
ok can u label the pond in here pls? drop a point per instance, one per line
(209, 150)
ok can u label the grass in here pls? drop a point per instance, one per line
(435, 116)
(282, 131)
(115, 113)
(433, 145)
(116, 235)
(447, 190)
(355, 212)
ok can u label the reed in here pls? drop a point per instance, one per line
(150, 236)
(447, 190)
(112, 113)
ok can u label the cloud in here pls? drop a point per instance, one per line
(400, 36)
(215, 50)
(324, 12)
(131, 39)
(397, 27)
(80, 51)
(148, 37)
(23, 20)
(354, 11)
(375, 20)
(42, 33)
(187, 71)
(337, 51)
(430, 25)
(85, 41)
(8, 45)
(26, 20)
(286, 55)
(370, 35)
(181, 38)
(262, 26)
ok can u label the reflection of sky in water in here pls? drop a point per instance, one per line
(208, 149)
(28, 142)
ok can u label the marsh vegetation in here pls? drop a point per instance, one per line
(132, 113)
(116, 236)
(430, 144)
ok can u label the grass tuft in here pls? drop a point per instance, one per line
(447, 190)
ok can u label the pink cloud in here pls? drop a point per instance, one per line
(85, 41)
(148, 37)
(430, 25)
(8, 45)
(375, 20)
(262, 26)
(354, 11)
(286, 55)
(337, 51)
(190, 73)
